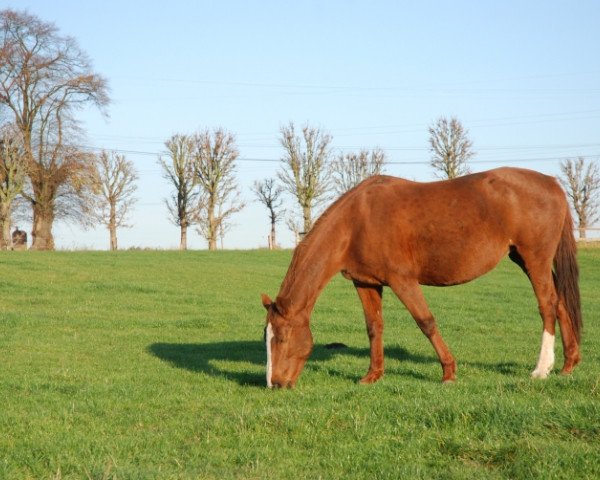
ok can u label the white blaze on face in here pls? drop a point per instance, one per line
(546, 360)
(269, 337)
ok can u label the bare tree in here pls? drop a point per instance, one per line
(305, 172)
(116, 186)
(179, 170)
(214, 165)
(450, 148)
(349, 169)
(269, 194)
(44, 79)
(582, 184)
(12, 179)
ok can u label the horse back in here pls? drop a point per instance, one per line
(448, 232)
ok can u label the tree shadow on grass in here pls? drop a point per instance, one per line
(208, 358)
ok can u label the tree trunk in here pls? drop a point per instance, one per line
(183, 240)
(41, 232)
(112, 226)
(113, 237)
(212, 243)
(307, 214)
(5, 237)
(582, 223)
(272, 243)
(212, 226)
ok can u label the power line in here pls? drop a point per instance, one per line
(411, 88)
(349, 147)
(502, 161)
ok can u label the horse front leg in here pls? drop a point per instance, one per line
(411, 296)
(370, 296)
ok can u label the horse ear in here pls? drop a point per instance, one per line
(266, 300)
(283, 305)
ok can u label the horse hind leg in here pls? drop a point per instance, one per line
(569, 340)
(540, 275)
(411, 296)
(370, 297)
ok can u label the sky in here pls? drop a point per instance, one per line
(522, 77)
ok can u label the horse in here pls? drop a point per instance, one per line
(396, 233)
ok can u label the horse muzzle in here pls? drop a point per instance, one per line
(280, 384)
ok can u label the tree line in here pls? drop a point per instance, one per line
(46, 79)
(201, 170)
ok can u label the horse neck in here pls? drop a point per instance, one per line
(312, 266)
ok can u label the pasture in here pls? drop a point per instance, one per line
(151, 365)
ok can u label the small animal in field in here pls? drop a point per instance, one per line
(390, 232)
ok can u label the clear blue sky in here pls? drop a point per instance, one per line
(522, 77)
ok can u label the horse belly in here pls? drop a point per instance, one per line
(454, 266)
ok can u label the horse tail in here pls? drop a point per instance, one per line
(567, 275)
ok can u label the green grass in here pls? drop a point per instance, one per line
(151, 365)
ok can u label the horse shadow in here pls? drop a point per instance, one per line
(208, 358)
(213, 359)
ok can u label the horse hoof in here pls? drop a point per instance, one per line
(370, 378)
(568, 369)
(449, 374)
(569, 366)
(542, 375)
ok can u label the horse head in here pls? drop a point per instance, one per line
(289, 343)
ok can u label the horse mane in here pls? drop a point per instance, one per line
(333, 207)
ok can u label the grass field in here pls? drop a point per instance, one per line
(151, 365)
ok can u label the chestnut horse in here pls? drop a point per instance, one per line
(393, 232)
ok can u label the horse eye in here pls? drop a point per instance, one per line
(265, 335)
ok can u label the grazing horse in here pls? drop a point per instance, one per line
(393, 232)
